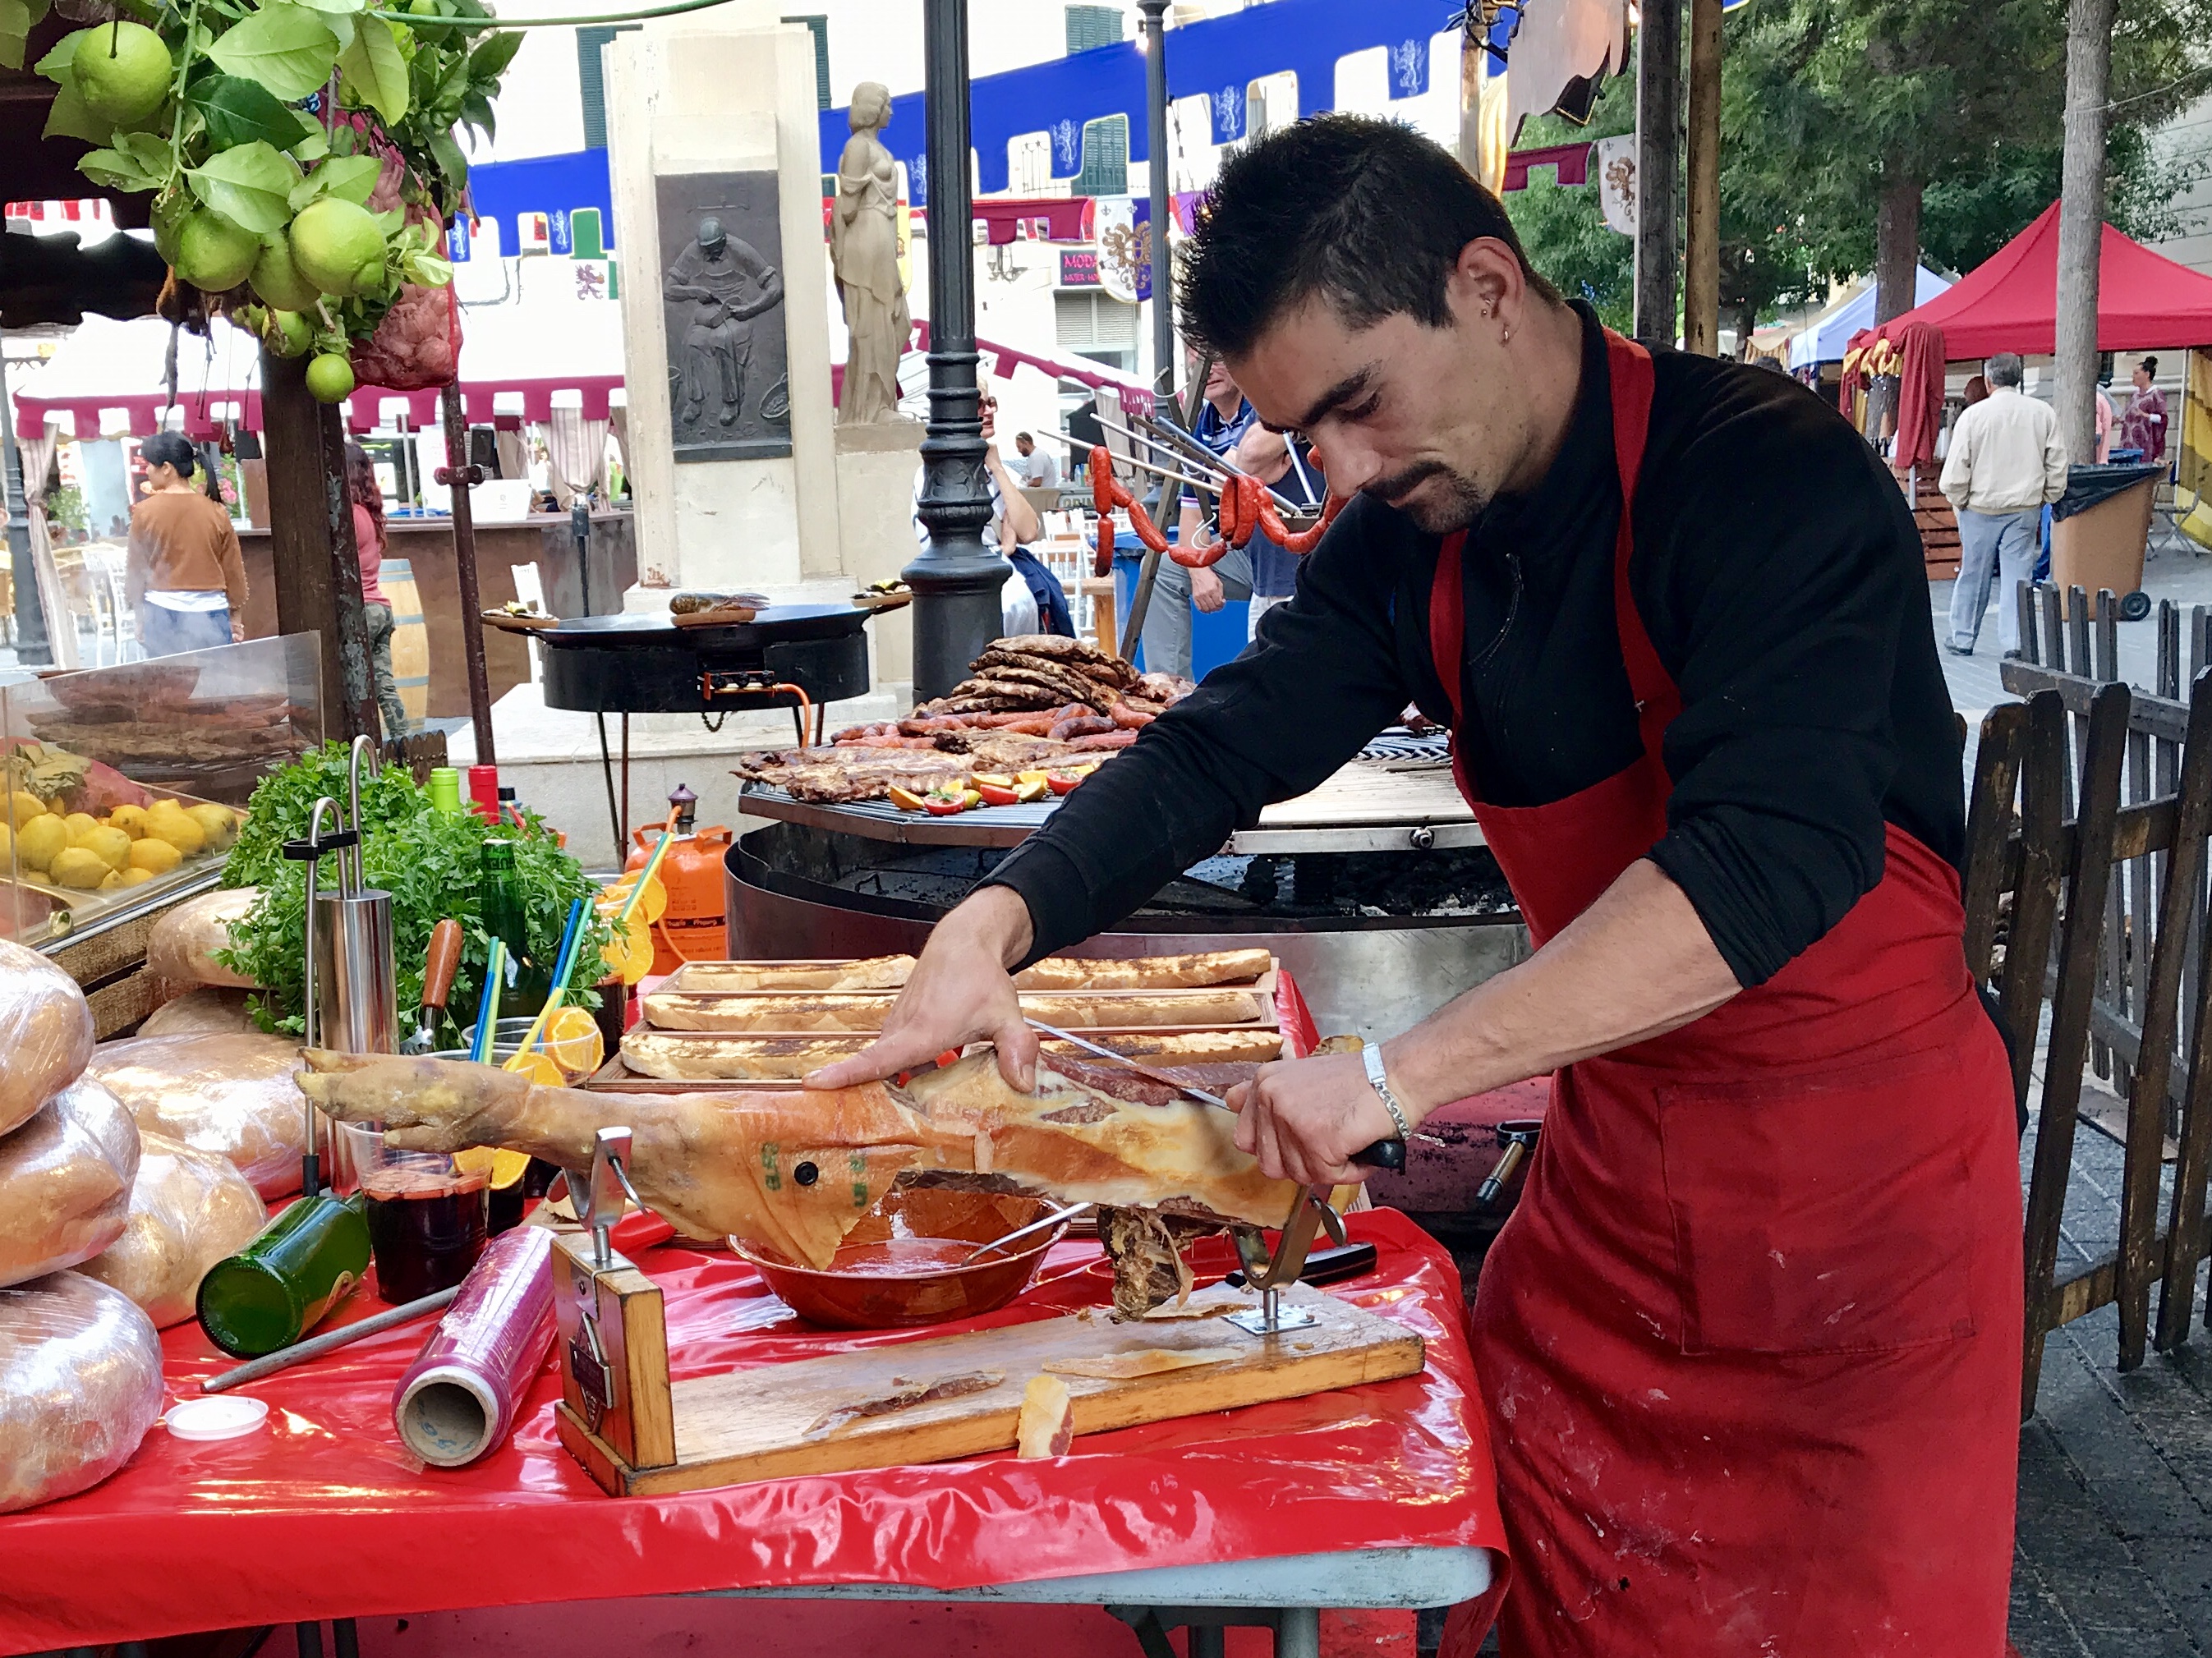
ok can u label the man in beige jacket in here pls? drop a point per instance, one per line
(2007, 462)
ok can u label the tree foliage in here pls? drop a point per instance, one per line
(1825, 103)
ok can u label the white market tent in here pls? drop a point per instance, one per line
(1830, 336)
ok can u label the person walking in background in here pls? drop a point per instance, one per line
(368, 498)
(1294, 475)
(2105, 419)
(183, 574)
(2144, 425)
(1038, 469)
(2007, 462)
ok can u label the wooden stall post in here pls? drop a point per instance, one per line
(460, 474)
(316, 566)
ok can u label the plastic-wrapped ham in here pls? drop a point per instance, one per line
(46, 1033)
(209, 1007)
(181, 947)
(229, 1092)
(80, 1384)
(65, 1182)
(188, 1211)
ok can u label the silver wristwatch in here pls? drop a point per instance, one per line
(1371, 1057)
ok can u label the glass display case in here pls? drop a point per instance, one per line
(124, 786)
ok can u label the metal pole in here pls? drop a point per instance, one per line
(956, 578)
(1153, 37)
(456, 475)
(1701, 264)
(1658, 163)
(32, 648)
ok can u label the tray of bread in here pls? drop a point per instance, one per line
(738, 1024)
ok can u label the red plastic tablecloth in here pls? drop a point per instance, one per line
(324, 1514)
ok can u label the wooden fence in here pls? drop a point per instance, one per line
(2085, 889)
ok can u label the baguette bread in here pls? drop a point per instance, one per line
(1192, 970)
(866, 1011)
(700, 1056)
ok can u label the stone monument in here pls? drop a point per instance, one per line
(864, 250)
(714, 147)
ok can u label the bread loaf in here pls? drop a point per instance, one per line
(227, 1092)
(46, 1033)
(181, 947)
(80, 1384)
(832, 1010)
(188, 1209)
(65, 1182)
(209, 1007)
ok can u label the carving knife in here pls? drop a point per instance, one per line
(1384, 1154)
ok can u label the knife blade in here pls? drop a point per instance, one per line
(1384, 1154)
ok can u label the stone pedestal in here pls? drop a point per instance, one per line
(696, 116)
(875, 468)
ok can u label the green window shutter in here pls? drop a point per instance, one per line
(1105, 158)
(590, 74)
(1093, 26)
(819, 23)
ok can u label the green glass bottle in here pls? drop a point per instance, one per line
(500, 911)
(275, 1290)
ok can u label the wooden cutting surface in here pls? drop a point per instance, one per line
(1374, 792)
(755, 1424)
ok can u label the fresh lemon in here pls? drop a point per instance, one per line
(73, 866)
(79, 824)
(213, 254)
(330, 378)
(111, 845)
(218, 823)
(134, 876)
(278, 281)
(336, 246)
(122, 71)
(504, 1167)
(23, 807)
(131, 820)
(153, 855)
(40, 840)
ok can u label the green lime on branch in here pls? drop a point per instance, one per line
(337, 246)
(122, 71)
(330, 378)
(278, 281)
(287, 334)
(213, 254)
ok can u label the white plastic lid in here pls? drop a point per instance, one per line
(217, 1416)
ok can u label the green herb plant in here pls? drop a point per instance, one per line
(426, 859)
(268, 109)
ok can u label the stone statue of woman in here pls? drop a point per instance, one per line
(864, 251)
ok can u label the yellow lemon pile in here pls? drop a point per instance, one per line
(131, 846)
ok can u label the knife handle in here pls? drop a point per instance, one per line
(442, 961)
(1388, 1155)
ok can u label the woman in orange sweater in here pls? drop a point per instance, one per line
(183, 574)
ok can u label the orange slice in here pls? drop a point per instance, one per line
(653, 906)
(505, 1168)
(630, 951)
(538, 1066)
(572, 1040)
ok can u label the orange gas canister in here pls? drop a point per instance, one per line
(695, 927)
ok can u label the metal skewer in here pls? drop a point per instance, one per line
(1158, 471)
(1187, 444)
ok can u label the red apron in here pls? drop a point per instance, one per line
(1751, 1342)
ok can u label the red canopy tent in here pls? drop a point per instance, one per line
(2010, 301)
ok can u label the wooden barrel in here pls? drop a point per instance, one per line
(410, 640)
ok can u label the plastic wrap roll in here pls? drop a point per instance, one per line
(458, 1400)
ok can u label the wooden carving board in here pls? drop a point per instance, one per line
(753, 1425)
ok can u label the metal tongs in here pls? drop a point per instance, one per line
(1310, 1211)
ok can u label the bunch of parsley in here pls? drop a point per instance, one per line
(429, 860)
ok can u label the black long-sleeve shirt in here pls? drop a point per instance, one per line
(1779, 575)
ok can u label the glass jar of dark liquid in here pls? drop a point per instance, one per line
(427, 1220)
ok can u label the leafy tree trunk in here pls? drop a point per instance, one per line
(1658, 170)
(1896, 245)
(2082, 219)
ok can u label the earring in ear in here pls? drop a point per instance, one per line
(1505, 335)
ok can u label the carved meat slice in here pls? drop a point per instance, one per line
(905, 1394)
(828, 1010)
(1146, 1361)
(1046, 1424)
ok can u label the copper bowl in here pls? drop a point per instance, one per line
(883, 1277)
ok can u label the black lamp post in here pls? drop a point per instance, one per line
(956, 578)
(1154, 37)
